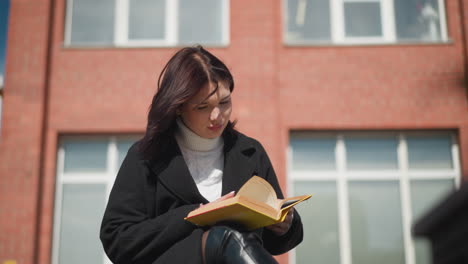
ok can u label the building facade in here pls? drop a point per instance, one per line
(361, 102)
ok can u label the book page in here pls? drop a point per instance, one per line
(287, 203)
(258, 189)
(214, 205)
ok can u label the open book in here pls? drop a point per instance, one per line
(255, 205)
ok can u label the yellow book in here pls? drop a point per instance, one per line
(255, 205)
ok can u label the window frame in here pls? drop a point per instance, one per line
(107, 177)
(403, 175)
(121, 24)
(338, 27)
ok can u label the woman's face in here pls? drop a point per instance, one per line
(208, 116)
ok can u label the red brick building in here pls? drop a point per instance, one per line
(363, 103)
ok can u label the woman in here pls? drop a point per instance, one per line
(190, 155)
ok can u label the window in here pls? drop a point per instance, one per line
(369, 189)
(86, 170)
(147, 22)
(364, 21)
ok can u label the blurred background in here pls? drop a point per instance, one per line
(361, 102)
(4, 7)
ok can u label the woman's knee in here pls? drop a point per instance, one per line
(223, 244)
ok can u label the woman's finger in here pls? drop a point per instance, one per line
(226, 196)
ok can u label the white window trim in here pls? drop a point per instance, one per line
(107, 177)
(121, 20)
(337, 25)
(226, 22)
(343, 205)
(443, 21)
(405, 198)
(68, 21)
(403, 175)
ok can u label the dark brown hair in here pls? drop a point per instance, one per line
(184, 75)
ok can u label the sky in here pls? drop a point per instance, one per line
(4, 6)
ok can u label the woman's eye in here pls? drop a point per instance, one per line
(225, 102)
(201, 107)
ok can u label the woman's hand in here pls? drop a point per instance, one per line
(224, 197)
(282, 228)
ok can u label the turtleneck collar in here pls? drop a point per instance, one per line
(192, 141)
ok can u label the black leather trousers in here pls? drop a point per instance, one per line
(228, 246)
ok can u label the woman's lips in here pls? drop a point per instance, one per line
(215, 127)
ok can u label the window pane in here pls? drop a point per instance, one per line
(417, 20)
(308, 20)
(313, 154)
(363, 19)
(82, 210)
(371, 153)
(427, 193)
(320, 218)
(376, 228)
(200, 21)
(122, 148)
(430, 152)
(424, 195)
(92, 22)
(147, 19)
(85, 156)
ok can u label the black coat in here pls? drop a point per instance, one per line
(144, 219)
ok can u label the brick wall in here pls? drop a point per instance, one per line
(278, 88)
(20, 141)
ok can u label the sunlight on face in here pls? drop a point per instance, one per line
(208, 116)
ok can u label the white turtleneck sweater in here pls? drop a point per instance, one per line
(204, 158)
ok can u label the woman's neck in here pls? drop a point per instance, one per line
(192, 141)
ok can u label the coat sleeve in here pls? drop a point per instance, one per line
(279, 244)
(128, 234)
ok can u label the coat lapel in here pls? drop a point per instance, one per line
(175, 176)
(238, 168)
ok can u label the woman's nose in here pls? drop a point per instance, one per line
(215, 113)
